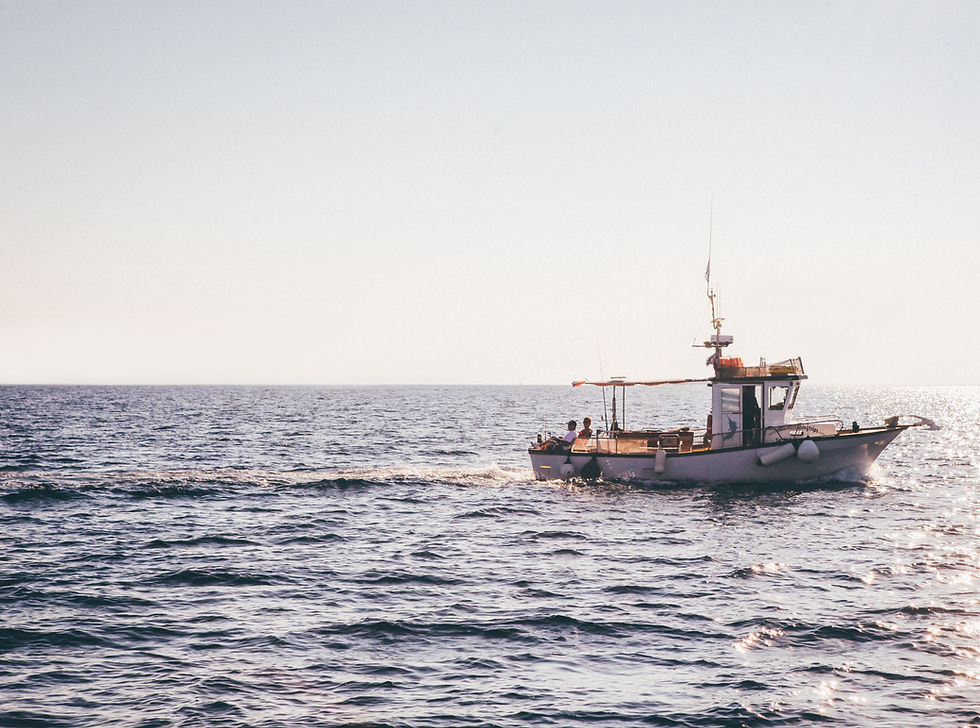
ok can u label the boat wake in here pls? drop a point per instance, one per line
(26, 485)
(488, 475)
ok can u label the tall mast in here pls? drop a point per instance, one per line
(718, 341)
(707, 271)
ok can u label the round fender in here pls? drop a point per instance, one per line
(808, 451)
(777, 454)
(660, 461)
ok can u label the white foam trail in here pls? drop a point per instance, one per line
(486, 475)
(492, 474)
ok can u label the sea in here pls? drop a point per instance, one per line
(382, 556)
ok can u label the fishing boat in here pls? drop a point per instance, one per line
(750, 435)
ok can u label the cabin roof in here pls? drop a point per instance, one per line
(729, 370)
(748, 378)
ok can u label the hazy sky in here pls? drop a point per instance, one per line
(486, 192)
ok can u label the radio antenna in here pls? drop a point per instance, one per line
(717, 340)
(707, 271)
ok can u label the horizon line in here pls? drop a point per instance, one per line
(421, 384)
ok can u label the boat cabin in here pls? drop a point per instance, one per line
(750, 406)
(753, 405)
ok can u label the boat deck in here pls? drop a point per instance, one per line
(683, 441)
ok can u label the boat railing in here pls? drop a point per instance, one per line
(792, 366)
(733, 368)
(641, 441)
(820, 426)
(754, 436)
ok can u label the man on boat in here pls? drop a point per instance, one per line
(570, 436)
(586, 430)
(565, 443)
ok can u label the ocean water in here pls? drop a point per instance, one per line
(380, 556)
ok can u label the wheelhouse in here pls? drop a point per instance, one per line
(753, 405)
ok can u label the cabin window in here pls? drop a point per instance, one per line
(793, 391)
(731, 399)
(777, 396)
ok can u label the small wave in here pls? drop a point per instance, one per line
(801, 633)
(87, 600)
(389, 631)
(541, 593)
(547, 535)
(147, 633)
(481, 513)
(734, 714)
(612, 629)
(750, 685)
(200, 541)
(899, 677)
(153, 490)
(404, 578)
(496, 512)
(12, 638)
(912, 610)
(669, 560)
(481, 664)
(319, 538)
(341, 483)
(755, 570)
(857, 633)
(426, 554)
(633, 589)
(15, 462)
(42, 494)
(385, 670)
(197, 577)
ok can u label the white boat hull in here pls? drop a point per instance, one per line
(851, 453)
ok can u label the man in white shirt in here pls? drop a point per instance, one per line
(571, 434)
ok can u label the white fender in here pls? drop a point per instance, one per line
(567, 471)
(808, 451)
(778, 454)
(660, 461)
